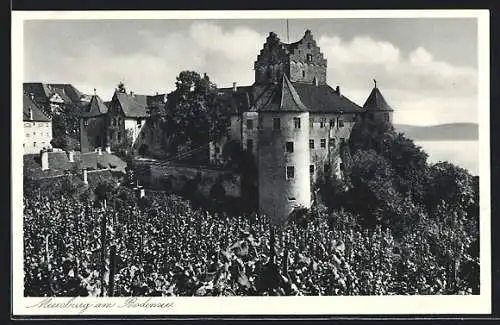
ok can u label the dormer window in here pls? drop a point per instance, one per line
(309, 57)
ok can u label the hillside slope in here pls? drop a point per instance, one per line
(442, 132)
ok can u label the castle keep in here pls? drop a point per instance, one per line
(293, 122)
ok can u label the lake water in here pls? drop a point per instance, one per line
(461, 153)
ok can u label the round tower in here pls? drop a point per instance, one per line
(283, 153)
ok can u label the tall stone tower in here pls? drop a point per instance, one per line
(301, 61)
(282, 151)
(376, 107)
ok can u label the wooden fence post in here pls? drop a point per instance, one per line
(112, 270)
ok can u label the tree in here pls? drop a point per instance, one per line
(194, 113)
(104, 190)
(452, 185)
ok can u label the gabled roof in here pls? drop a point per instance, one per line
(67, 92)
(280, 98)
(323, 99)
(238, 101)
(132, 105)
(376, 102)
(39, 90)
(95, 107)
(37, 112)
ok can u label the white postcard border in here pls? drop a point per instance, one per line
(352, 305)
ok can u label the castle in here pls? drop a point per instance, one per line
(290, 120)
(293, 122)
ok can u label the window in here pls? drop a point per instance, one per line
(276, 123)
(23, 145)
(34, 144)
(311, 169)
(250, 124)
(303, 74)
(341, 123)
(296, 122)
(309, 45)
(327, 168)
(323, 143)
(34, 124)
(386, 115)
(249, 144)
(27, 125)
(309, 57)
(331, 142)
(34, 133)
(289, 147)
(332, 123)
(119, 136)
(311, 144)
(85, 122)
(311, 123)
(322, 123)
(27, 135)
(290, 172)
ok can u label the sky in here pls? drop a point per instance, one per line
(426, 68)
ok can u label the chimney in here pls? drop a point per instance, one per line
(95, 92)
(131, 93)
(99, 151)
(84, 171)
(108, 149)
(31, 114)
(234, 87)
(44, 158)
(156, 93)
(71, 155)
(337, 90)
(32, 96)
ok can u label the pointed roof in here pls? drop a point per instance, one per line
(280, 98)
(38, 114)
(95, 107)
(132, 105)
(376, 102)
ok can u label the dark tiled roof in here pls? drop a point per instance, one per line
(67, 92)
(38, 114)
(280, 98)
(376, 102)
(132, 105)
(323, 98)
(39, 90)
(237, 101)
(86, 160)
(96, 107)
(59, 161)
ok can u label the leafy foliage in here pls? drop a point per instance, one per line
(194, 113)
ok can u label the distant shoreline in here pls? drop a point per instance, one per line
(441, 132)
